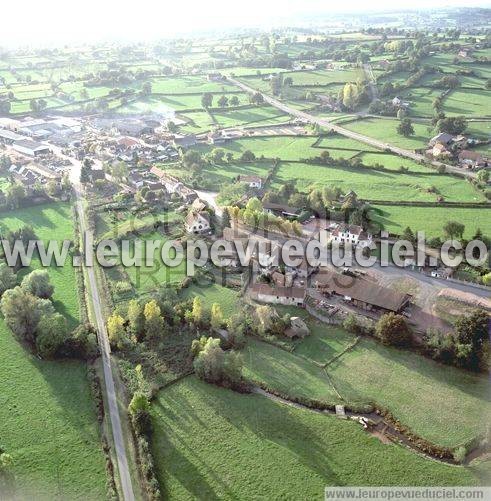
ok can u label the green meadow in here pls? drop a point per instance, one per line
(419, 392)
(396, 218)
(379, 185)
(48, 417)
(227, 298)
(385, 129)
(212, 443)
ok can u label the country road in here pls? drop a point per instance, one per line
(322, 122)
(117, 431)
(367, 69)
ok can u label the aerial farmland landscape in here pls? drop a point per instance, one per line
(245, 256)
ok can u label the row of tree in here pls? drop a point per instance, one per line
(222, 102)
(253, 214)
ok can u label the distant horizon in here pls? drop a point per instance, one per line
(97, 22)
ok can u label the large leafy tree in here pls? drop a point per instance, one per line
(38, 284)
(23, 311)
(393, 329)
(136, 319)
(154, 323)
(52, 333)
(472, 339)
(207, 100)
(217, 366)
(216, 316)
(7, 278)
(405, 127)
(453, 229)
(116, 331)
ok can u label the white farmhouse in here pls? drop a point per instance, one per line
(350, 234)
(197, 222)
(252, 181)
(399, 103)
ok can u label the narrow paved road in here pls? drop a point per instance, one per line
(367, 70)
(117, 431)
(322, 122)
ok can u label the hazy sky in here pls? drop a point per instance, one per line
(43, 22)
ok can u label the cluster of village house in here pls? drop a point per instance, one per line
(127, 140)
(271, 281)
(285, 288)
(131, 140)
(286, 285)
(32, 161)
(446, 146)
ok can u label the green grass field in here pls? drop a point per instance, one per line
(341, 142)
(283, 147)
(49, 426)
(196, 122)
(211, 443)
(386, 130)
(400, 77)
(324, 77)
(393, 162)
(216, 175)
(50, 222)
(260, 83)
(424, 395)
(177, 102)
(24, 105)
(479, 130)
(126, 221)
(48, 418)
(145, 278)
(186, 84)
(329, 89)
(468, 102)
(372, 184)
(262, 115)
(395, 218)
(155, 104)
(241, 71)
(213, 293)
(420, 100)
(288, 373)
